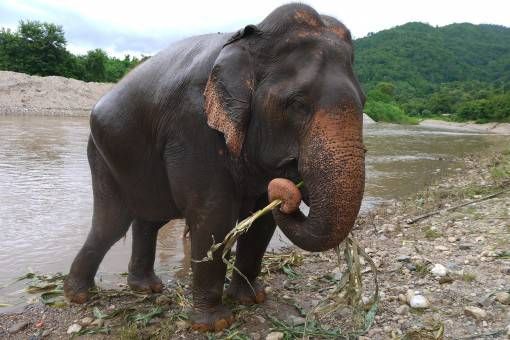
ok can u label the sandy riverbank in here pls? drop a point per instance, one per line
(498, 128)
(458, 261)
(22, 94)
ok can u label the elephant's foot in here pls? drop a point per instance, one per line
(77, 291)
(148, 283)
(240, 291)
(211, 319)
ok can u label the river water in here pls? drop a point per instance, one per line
(46, 197)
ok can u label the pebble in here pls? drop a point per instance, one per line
(402, 310)
(182, 324)
(19, 326)
(97, 323)
(296, 320)
(275, 336)
(259, 319)
(441, 248)
(255, 336)
(439, 270)
(46, 333)
(508, 331)
(336, 274)
(404, 258)
(475, 312)
(74, 328)
(268, 289)
(503, 298)
(452, 239)
(163, 300)
(464, 246)
(86, 321)
(419, 301)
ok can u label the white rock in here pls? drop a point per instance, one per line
(275, 336)
(74, 328)
(475, 312)
(439, 270)
(503, 298)
(419, 301)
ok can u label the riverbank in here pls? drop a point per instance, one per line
(498, 128)
(457, 260)
(22, 94)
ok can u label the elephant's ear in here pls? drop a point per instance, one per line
(229, 90)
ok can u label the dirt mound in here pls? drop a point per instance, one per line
(22, 94)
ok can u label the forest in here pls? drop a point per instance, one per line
(457, 72)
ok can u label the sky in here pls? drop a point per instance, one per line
(147, 26)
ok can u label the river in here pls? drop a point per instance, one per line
(46, 197)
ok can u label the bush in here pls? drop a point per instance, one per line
(388, 112)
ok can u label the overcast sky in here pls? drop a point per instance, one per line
(147, 26)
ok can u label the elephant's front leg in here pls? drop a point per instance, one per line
(250, 250)
(209, 313)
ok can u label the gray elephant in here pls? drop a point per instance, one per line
(199, 131)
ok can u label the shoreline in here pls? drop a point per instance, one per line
(457, 260)
(492, 128)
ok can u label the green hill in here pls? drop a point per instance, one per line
(461, 69)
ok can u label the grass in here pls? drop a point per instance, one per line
(431, 234)
(468, 277)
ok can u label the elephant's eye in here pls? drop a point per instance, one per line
(297, 105)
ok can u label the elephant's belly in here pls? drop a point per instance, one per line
(148, 194)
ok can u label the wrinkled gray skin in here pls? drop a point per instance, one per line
(199, 130)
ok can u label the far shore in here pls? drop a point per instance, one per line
(25, 95)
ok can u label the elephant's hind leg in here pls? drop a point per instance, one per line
(141, 267)
(110, 221)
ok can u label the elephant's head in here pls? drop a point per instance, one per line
(285, 97)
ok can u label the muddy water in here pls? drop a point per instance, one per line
(46, 198)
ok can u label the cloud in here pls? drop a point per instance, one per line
(147, 26)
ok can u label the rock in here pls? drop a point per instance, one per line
(86, 321)
(402, 310)
(505, 270)
(508, 331)
(464, 246)
(503, 298)
(18, 326)
(439, 270)
(336, 274)
(452, 239)
(74, 328)
(275, 336)
(45, 333)
(268, 289)
(475, 312)
(419, 302)
(402, 298)
(97, 323)
(404, 258)
(296, 320)
(255, 336)
(182, 324)
(446, 279)
(441, 248)
(163, 300)
(259, 319)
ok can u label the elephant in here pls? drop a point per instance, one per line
(213, 128)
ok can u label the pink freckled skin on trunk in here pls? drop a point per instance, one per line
(285, 190)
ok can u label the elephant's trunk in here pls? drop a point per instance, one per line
(331, 163)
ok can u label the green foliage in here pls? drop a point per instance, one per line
(40, 49)
(456, 72)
